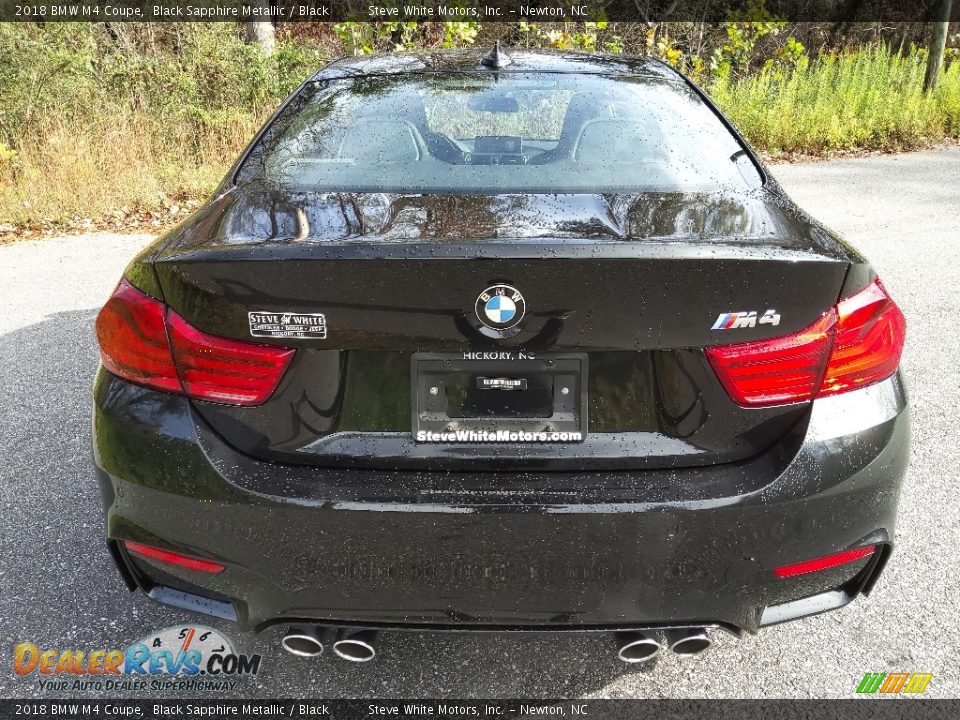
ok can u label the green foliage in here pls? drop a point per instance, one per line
(94, 117)
(792, 53)
(459, 34)
(664, 47)
(9, 160)
(100, 119)
(590, 36)
(870, 99)
(365, 38)
(197, 72)
(736, 54)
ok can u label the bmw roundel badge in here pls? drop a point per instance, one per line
(500, 307)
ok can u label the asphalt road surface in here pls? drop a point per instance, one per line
(58, 588)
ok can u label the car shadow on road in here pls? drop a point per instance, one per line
(64, 574)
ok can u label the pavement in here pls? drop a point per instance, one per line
(58, 588)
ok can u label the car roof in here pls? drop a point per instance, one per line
(522, 61)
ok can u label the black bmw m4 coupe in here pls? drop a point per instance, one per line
(507, 341)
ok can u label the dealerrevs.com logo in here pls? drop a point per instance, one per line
(191, 658)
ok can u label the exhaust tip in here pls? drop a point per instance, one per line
(688, 642)
(303, 641)
(356, 647)
(637, 647)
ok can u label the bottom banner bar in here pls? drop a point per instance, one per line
(405, 709)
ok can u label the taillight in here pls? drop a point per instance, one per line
(782, 370)
(132, 334)
(868, 341)
(222, 370)
(142, 341)
(856, 343)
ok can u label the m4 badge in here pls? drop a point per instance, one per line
(745, 319)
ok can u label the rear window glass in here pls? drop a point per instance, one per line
(499, 133)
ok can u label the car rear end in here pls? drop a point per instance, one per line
(688, 415)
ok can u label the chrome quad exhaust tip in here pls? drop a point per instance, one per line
(304, 640)
(687, 642)
(356, 646)
(637, 646)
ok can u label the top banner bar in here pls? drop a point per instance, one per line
(649, 11)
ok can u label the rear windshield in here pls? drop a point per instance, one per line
(490, 133)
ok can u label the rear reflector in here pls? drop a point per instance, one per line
(142, 341)
(856, 343)
(171, 558)
(829, 561)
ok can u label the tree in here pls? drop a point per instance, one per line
(260, 32)
(937, 46)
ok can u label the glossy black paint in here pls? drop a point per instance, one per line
(398, 275)
(586, 550)
(674, 509)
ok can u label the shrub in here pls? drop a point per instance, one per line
(870, 99)
(105, 121)
(131, 116)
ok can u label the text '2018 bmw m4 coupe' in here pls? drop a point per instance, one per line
(500, 342)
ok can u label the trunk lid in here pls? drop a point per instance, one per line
(633, 284)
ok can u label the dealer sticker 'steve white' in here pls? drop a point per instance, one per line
(287, 324)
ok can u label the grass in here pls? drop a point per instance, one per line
(128, 124)
(126, 139)
(128, 166)
(868, 100)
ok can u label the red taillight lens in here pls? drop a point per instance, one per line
(144, 342)
(822, 563)
(222, 370)
(775, 372)
(857, 343)
(172, 558)
(133, 339)
(868, 341)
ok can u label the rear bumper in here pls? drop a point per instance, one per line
(489, 551)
